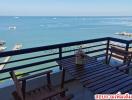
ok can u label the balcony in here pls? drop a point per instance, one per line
(35, 60)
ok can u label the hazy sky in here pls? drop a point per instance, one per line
(66, 7)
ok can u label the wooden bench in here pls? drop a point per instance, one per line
(123, 55)
(45, 92)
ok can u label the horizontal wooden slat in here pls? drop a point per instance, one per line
(30, 72)
(103, 80)
(28, 65)
(120, 51)
(113, 85)
(93, 80)
(96, 74)
(123, 47)
(104, 83)
(120, 86)
(126, 89)
(29, 58)
(35, 75)
(65, 51)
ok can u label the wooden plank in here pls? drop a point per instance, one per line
(130, 92)
(119, 51)
(93, 80)
(102, 80)
(112, 85)
(35, 75)
(96, 74)
(102, 77)
(71, 66)
(88, 59)
(87, 70)
(79, 68)
(77, 75)
(96, 87)
(115, 89)
(70, 62)
(126, 89)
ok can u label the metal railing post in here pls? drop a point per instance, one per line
(107, 50)
(60, 56)
(126, 49)
(60, 52)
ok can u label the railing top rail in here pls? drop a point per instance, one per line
(119, 40)
(130, 41)
(55, 46)
(36, 49)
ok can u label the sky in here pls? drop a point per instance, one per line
(65, 7)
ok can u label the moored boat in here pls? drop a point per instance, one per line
(124, 34)
(12, 27)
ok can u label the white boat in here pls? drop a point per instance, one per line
(12, 27)
(2, 49)
(16, 47)
(124, 34)
(2, 43)
(16, 17)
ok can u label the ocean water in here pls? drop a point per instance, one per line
(38, 31)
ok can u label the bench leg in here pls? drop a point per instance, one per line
(63, 78)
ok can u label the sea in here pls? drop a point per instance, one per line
(35, 31)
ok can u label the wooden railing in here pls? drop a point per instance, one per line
(33, 60)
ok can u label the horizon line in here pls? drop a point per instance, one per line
(67, 15)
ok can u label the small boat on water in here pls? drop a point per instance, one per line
(17, 46)
(2, 43)
(124, 34)
(16, 17)
(2, 47)
(12, 27)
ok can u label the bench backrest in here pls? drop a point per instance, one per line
(18, 85)
(120, 54)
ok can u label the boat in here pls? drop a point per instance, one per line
(124, 34)
(16, 17)
(17, 46)
(12, 27)
(2, 43)
(2, 47)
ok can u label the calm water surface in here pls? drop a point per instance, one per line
(38, 31)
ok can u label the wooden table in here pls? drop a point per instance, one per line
(97, 76)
